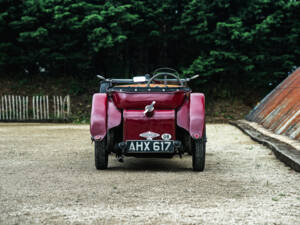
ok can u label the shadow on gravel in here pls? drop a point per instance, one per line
(162, 165)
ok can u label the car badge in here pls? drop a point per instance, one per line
(166, 136)
(149, 135)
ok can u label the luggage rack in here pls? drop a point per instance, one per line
(148, 89)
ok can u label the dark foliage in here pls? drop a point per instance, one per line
(254, 42)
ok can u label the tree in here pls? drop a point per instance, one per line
(253, 42)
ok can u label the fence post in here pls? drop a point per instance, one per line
(47, 105)
(27, 116)
(20, 107)
(57, 107)
(2, 105)
(44, 107)
(33, 107)
(54, 107)
(23, 102)
(61, 107)
(17, 111)
(69, 105)
(37, 107)
(17, 107)
(9, 106)
(14, 107)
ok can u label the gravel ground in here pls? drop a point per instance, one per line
(47, 176)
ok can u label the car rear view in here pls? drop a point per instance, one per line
(146, 116)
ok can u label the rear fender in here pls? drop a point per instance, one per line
(98, 124)
(114, 115)
(191, 115)
(197, 115)
(104, 116)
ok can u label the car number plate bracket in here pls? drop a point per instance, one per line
(150, 146)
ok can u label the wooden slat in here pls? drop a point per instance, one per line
(27, 116)
(13, 107)
(20, 107)
(47, 105)
(61, 107)
(65, 106)
(58, 109)
(33, 107)
(9, 106)
(23, 103)
(54, 107)
(37, 107)
(3, 107)
(17, 107)
(44, 107)
(41, 107)
(69, 105)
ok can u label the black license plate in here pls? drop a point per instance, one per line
(150, 146)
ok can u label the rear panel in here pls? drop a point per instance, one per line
(164, 100)
(135, 123)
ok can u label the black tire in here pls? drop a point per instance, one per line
(110, 140)
(199, 154)
(101, 155)
(188, 144)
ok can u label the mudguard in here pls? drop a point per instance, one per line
(191, 115)
(104, 116)
(197, 115)
(114, 115)
(98, 124)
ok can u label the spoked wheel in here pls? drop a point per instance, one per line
(198, 154)
(101, 154)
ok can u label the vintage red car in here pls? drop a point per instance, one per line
(148, 116)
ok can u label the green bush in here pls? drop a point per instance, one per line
(253, 42)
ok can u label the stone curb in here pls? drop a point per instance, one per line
(283, 151)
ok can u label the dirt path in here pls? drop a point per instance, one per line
(47, 176)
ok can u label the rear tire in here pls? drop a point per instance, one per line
(199, 154)
(101, 155)
(188, 144)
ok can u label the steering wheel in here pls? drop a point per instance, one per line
(165, 74)
(165, 69)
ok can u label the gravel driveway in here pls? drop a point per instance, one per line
(47, 176)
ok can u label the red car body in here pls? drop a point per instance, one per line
(186, 111)
(119, 116)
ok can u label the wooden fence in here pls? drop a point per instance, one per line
(22, 108)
